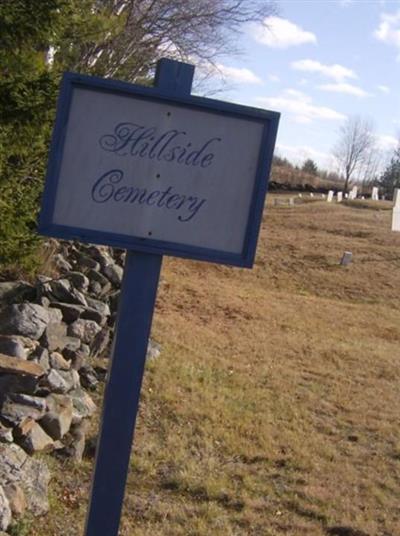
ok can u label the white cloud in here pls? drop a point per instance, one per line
(274, 78)
(337, 72)
(299, 153)
(387, 142)
(300, 106)
(344, 87)
(346, 3)
(388, 30)
(281, 33)
(384, 89)
(238, 74)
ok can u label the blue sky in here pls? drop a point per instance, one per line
(321, 62)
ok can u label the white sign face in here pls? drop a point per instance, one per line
(140, 168)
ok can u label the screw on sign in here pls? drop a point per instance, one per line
(159, 172)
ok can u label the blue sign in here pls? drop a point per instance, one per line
(144, 169)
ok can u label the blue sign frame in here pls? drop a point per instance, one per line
(268, 119)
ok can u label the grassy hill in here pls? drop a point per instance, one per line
(273, 409)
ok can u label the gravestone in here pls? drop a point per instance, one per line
(291, 201)
(346, 195)
(347, 258)
(353, 193)
(396, 210)
(339, 197)
(375, 194)
(396, 197)
(311, 195)
(323, 196)
(330, 196)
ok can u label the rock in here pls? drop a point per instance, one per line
(85, 349)
(76, 441)
(41, 355)
(70, 312)
(62, 290)
(61, 381)
(18, 407)
(13, 365)
(5, 511)
(101, 254)
(98, 306)
(61, 263)
(57, 421)
(12, 346)
(55, 315)
(114, 301)
(35, 402)
(84, 261)
(73, 345)
(26, 319)
(17, 383)
(88, 377)
(79, 281)
(55, 336)
(31, 437)
(92, 314)
(100, 342)
(153, 350)
(95, 288)
(16, 498)
(98, 277)
(75, 357)
(83, 405)
(85, 330)
(32, 475)
(58, 362)
(6, 435)
(16, 291)
(114, 273)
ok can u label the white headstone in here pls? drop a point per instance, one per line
(300, 195)
(362, 197)
(330, 196)
(291, 201)
(383, 198)
(311, 194)
(339, 197)
(346, 195)
(396, 218)
(323, 196)
(375, 194)
(353, 193)
(396, 197)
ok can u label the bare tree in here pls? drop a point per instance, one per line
(354, 146)
(134, 34)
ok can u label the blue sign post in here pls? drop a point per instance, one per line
(157, 171)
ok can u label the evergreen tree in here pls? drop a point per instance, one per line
(390, 178)
(310, 167)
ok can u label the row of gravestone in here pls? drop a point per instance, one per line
(53, 335)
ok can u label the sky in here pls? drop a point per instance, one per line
(319, 63)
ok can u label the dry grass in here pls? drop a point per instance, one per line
(274, 407)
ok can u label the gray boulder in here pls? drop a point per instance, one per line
(5, 511)
(27, 319)
(16, 291)
(31, 474)
(57, 421)
(32, 438)
(83, 405)
(85, 330)
(11, 345)
(114, 273)
(61, 381)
